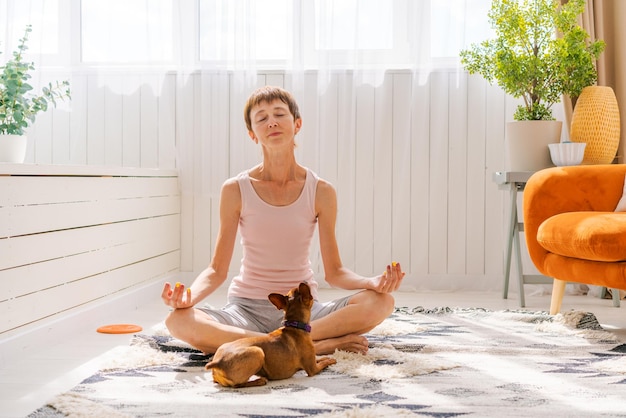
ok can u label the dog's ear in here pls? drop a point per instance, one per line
(280, 301)
(305, 291)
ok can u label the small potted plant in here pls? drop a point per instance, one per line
(18, 105)
(539, 53)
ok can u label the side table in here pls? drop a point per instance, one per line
(515, 181)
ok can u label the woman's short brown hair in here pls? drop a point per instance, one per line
(269, 94)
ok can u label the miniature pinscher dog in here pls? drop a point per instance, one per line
(277, 355)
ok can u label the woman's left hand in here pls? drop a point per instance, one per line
(390, 280)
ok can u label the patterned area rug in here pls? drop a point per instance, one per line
(439, 362)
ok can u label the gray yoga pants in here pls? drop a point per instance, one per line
(262, 316)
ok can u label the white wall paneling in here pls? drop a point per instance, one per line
(71, 235)
(411, 159)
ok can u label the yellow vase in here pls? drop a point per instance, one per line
(596, 122)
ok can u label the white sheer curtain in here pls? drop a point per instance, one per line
(364, 36)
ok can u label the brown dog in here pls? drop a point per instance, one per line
(277, 355)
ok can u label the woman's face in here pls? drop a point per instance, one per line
(273, 124)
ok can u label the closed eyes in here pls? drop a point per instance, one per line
(278, 115)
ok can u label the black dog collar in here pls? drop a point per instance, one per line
(297, 324)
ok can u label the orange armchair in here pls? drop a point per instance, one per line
(573, 233)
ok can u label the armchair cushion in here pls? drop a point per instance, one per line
(586, 235)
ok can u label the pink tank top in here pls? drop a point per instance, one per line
(275, 241)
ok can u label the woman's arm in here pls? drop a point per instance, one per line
(217, 272)
(336, 274)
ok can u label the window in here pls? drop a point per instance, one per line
(355, 33)
(232, 31)
(354, 25)
(455, 24)
(303, 33)
(127, 31)
(49, 20)
(281, 34)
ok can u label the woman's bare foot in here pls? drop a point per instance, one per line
(352, 342)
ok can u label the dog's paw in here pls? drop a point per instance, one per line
(326, 361)
(259, 381)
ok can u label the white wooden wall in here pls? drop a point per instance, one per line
(411, 158)
(70, 236)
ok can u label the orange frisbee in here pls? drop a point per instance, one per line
(119, 329)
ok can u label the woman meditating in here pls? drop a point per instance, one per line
(276, 206)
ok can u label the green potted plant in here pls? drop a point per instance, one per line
(539, 53)
(18, 105)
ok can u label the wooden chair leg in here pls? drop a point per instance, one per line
(558, 291)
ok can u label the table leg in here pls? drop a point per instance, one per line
(510, 237)
(518, 261)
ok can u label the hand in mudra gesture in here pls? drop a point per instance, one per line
(389, 281)
(176, 297)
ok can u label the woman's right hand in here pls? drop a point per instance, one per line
(176, 297)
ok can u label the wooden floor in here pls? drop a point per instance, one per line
(57, 366)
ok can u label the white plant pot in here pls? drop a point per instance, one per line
(13, 148)
(567, 153)
(527, 143)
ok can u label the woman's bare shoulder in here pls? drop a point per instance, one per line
(230, 189)
(231, 182)
(325, 196)
(324, 187)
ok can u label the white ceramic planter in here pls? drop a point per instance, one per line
(527, 143)
(567, 153)
(12, 148)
